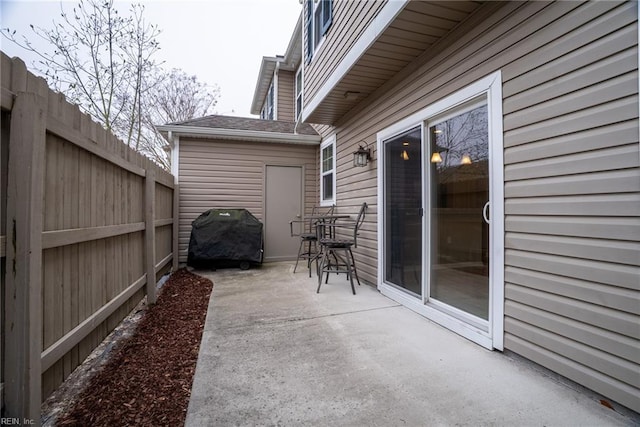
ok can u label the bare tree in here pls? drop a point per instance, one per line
(104, 62)
(176, 96)
(180, 96)
(101, 61)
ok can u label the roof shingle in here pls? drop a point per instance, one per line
(246, 123)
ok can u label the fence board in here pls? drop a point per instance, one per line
(66, 343)
(55, 126)
(91, 236)
(149, 235)
(24, 257)
(56, 238)
(6, 100)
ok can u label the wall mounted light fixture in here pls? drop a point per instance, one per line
(362, 156)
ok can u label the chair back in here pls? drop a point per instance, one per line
(310, 222)
(358, 223)
(316, 211)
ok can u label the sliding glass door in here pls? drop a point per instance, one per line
(441, 211)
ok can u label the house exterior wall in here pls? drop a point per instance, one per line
(230, 174)
(572, 172)
(350, 19)
(285, 96)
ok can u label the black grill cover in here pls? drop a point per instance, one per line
(225, 235)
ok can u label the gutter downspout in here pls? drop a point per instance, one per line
(295, 128)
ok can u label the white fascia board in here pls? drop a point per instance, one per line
(242, 135)
(370, 35)
(293, 53)
(265, 75)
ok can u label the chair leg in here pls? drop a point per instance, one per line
(330, 252)
(350, 267)
(318, 259)
(321, 269)
(355, 271)
(315, 252)
(300, 248)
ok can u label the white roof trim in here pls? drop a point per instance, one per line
(370, 35)
(241, 135)
(293, 54)
(265, 76)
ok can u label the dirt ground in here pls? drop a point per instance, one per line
(146, 379)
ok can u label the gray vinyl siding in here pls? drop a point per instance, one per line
(572, 176)
(230, 174)
(286, 100)
(350, 19)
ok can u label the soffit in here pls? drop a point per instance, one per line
(417, 27)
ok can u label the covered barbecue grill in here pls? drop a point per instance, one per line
(225, 237)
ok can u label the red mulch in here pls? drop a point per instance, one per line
(147, 381)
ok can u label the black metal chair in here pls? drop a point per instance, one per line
(340, 249)
(308, 248)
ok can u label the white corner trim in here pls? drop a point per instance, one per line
(174, 142)
(370, 35)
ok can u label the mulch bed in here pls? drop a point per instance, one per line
(147, 379)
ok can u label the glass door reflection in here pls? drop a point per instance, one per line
(403, 210)
(459, 190)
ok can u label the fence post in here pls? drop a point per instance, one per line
(176, 227)
(150, 233)
(23, 301)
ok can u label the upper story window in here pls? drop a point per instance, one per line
(298, 92)
(319, 15)
(328, 171)
(267, 109)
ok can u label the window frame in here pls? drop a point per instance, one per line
(319, 17)
(269, 103)
(329, 142)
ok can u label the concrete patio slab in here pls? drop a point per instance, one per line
(274, 352)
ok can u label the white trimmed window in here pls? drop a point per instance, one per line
(327, 172)
(298, 93)
(319, 16)
(269, 112)
(267, 109)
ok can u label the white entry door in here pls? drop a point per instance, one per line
(283, 203)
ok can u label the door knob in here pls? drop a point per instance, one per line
(485, 212)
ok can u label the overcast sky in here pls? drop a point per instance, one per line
(220, 41)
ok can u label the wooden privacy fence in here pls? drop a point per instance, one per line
(88, 226)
